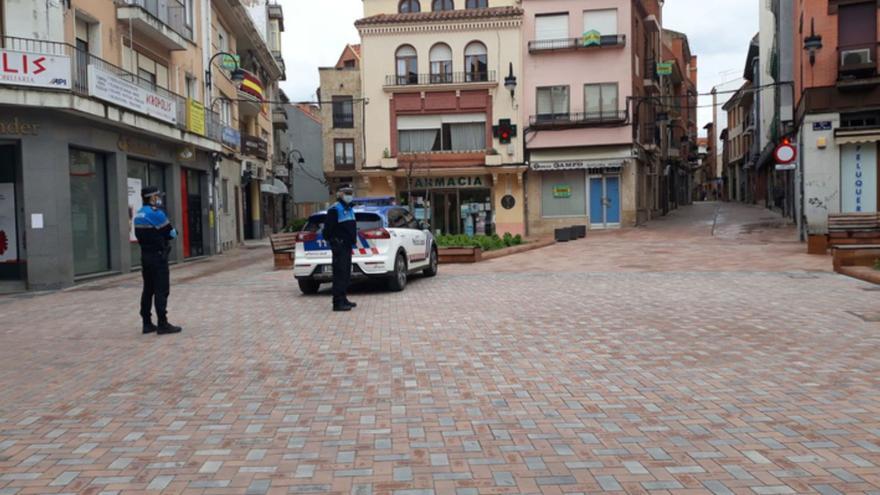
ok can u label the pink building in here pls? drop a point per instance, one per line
(590, 144)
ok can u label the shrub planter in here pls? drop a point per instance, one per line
(562, 235)
(579, 231)
(283, 261)
(459, 254)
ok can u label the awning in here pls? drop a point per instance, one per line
(274, 187)
(598, 159)
(857, 137)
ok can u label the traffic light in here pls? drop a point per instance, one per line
(504, 131)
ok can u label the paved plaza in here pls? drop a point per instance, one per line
(704, 353)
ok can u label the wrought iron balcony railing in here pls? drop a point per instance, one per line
(440, 78)
(607, 41)
(170, 12)
(583, 119)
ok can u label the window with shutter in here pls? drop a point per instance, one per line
(551, 27)
(604, 21)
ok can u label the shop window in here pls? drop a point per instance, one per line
(441, 63)
(476, 62)
(344, 154)
(89, 213)
(409, 6)
(439, 5)
(343, 112)
(563, 194)
(477, 4)
(552, 103)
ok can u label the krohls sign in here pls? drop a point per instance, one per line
(577, 165)
(38, 70)
(109, 87)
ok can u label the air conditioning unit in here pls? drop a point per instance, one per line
(850, 58)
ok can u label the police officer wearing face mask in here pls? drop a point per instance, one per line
(340, 231)
(154, 233)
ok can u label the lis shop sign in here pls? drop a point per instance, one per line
(33, 69)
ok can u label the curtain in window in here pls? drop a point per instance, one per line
(468, 137)
(418, 140)
(609, 99)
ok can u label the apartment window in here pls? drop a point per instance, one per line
(344, 153)
(409, 6)
(343, 112)
(600, 101)
(857, 33)
(604, 21)
(552, 103)
(441, 63)
(551, 27)
(463, 132)
(349, 64)
(222, 38)
(477, 4)
(439, 5)
(407, 65)
(225, 112)
(192, 87)
(476, 62)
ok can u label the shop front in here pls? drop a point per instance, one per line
(483, 201)
(69, 189)
(570, 190)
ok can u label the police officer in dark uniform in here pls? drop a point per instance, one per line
(154, 233)
(340, 231)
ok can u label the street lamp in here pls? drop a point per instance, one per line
(510, 81)
(236, 75)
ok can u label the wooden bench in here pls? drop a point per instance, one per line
(855, 255)
(283, 248)
(846, 229)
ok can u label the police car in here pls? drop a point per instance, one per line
(391, 245)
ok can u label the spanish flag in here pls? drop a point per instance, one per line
(252, 85)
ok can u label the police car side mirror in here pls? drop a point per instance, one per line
(423, 225)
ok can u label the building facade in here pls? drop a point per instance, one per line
(305, 137)
(342, 120)
(837, 88)
(443, 82)
(738, 140)
(592, 139)
(97, 100)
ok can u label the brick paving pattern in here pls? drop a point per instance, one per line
(735, 370)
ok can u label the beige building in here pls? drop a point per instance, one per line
(433, 76)
(342, 114)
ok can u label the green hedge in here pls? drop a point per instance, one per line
(485, 242)
(296, 225)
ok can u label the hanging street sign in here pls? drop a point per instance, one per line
(785, 153)
(664, 68)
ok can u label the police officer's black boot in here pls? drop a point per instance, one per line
(166, 328)
(341, 305)
(353, 305)
(149, 327)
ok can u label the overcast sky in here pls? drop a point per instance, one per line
(719, 32)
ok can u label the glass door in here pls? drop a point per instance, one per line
(191, 196)
(89, 213)
(10, 269)
(605, 201)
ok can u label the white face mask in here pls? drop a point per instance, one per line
(347, 198)
(158, 202)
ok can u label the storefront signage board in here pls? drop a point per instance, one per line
(477, 181)
(858, 181)
(36, 70)
(562, 191)
(17, 127)
(254, 146)
(8, 235)
(107, 86)
(576, 165)
(231, 137)
(195, 117)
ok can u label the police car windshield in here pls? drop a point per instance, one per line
(365, 221)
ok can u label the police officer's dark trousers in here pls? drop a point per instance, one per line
(154, 267)
(341, 270)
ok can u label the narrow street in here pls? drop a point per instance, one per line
(705, 353)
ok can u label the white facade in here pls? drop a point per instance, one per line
(43, 20)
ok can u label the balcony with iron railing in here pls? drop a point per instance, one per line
(444, 78)
(162, 21)
(80, 61)
(565, 44)
(605, 118)
(343, 120)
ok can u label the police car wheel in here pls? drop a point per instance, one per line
(309, 287)
(397, 282)
(432, 264)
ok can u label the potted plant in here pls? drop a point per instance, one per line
(493, 158)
